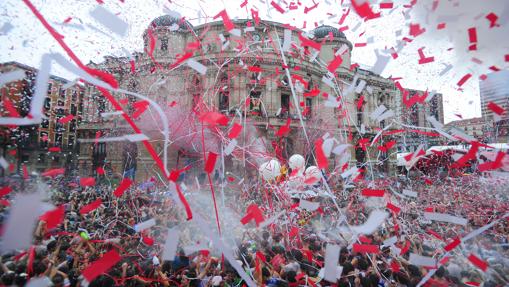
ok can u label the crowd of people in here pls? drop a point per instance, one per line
(288, 252)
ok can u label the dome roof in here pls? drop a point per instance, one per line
(323, 31)
(168, 20)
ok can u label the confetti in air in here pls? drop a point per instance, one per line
(259, 143)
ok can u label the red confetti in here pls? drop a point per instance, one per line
(373, 192)
(54, 149)
(277, 7)
(386, 5)
(393, 207)
(228, 24)
(284, 130)
(496, 108)
(335, 63)
(453, 244)
(472, 36)
(478, 262)
(416, 30)
(321, 159)
(53, 172)
(122, 187)
(235, 131)
(253, 213)
(66, 119)
(464, 79)
(5, 190)
(364, 10)
(91, 206)
(366, 248)
(492, 17)
(214, 118)
(211, 162)
(87, 181)
(441, 26)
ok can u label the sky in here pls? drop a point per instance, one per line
(23, 38)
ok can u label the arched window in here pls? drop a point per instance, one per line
(224, 93)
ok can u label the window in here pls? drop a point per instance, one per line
(62, 93)
(74, 95)
(56, 159)
(58, 140)
(70, 141)
(45, 123)
(41, 158)
(255, 103)
(50, 85)
(224, 101)
(72, 125)
(308, 109)
(43, 139)
(285, 105)
(47, 103)
(164, 44)
(73, 109)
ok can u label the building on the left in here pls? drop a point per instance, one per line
(50, 144)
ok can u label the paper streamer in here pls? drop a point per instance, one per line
(109, 20)
(445, 218)
(331, 262)
(170, 246)
(309, 205)
(376, 219)
(20, 224)
(102, 265)
(198, 67)
(145, 225)
(419, 260)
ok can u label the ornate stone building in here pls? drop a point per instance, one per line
(53, 142)
(245, 78)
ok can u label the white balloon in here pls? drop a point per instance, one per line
(270, 170)
(313, 172)
(296, 161)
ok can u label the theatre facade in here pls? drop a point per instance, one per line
(253, 74)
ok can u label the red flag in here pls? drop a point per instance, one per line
(91, 206)
(101, 265)
(122, 187)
